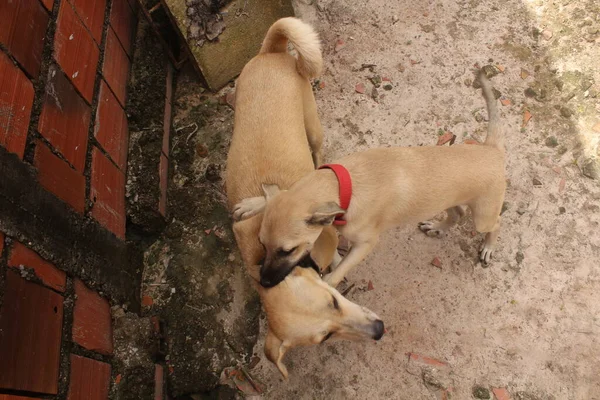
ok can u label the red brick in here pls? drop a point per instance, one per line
(164, 175)
(30, 335)
(158, 382)
(147, 301)
(167, 128)
(134, 6)
(48, 273)
(91, 13)
(48, 4)
(123, 21)
(426, 360)
(91, 320)
(12, 397)
(445, 138)
(58, 177)
(90, 379)
(23, 26)
(111, 129)
(108, 194)
(501, 394)
(76, 51)
(116, 66)
(16, 100)
(65, 119)
(169, 89)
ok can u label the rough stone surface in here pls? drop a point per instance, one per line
(145, 110)
(83, 248)
(193, 273)
(245, 26)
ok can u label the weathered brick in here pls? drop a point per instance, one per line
(65, 119)
(116, 66)
(48, 4)
(48, 273)
(90, 379)
(76, 51)
(16, 18)
(108, 194)
(13, 397)
(167, 128)
(92, 327)
(123, 22)
(164, 175)
(169, 88)
(158, 382)
(426, 360)
(58, 177)
(16, 100)
(91, 13)
(30, 335)
(111, 128)
(501, 394)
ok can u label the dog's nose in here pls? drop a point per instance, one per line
(266, 282)
(378, 329)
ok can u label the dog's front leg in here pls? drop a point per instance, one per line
(357, 253)
(248, 208)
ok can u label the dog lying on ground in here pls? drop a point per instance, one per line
(277, 139)
(381, 189)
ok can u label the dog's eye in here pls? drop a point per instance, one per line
(283, 252)
(336, 305)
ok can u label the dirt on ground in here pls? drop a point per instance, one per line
(401, 74)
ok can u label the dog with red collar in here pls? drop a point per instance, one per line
(366, 193)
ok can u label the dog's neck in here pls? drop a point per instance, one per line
(322, 185)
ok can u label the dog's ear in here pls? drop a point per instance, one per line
(275, 350)
(325, 213)
(270, 191)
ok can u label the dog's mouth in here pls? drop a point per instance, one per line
(272, 275)
(308, 262)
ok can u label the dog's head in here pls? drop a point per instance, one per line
(289, 230)
(303, 310)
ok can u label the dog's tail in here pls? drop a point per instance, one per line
(495, 136)
(305, 41)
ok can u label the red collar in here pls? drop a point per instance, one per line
(345, 186)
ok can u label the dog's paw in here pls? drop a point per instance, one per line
(430, 229)
(485, 255)
(248, 208)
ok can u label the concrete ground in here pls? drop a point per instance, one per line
(529, 323)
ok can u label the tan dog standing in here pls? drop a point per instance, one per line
(390, 187)
(276, 126)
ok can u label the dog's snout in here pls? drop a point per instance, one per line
(266, 282)
(270, 276)
(378, 329)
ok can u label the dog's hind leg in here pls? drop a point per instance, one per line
(312, 124)
(489, 244)
(439, 229)
(486, 215)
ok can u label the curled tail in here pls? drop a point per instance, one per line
(495, 136)
(305, 41)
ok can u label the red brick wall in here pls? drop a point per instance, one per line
(63, 88)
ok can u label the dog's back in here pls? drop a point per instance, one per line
(269, 143)
(273, 113)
